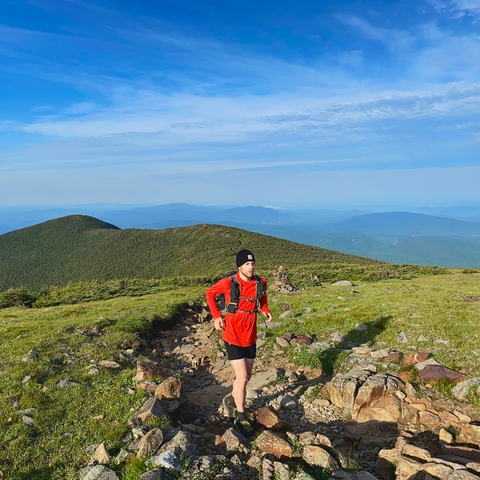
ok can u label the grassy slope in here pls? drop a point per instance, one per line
(43, 452)
(80, 248)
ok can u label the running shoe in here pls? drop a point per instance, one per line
(229, 407)
(244, 427)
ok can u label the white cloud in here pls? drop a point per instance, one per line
(397, 40)
(457, 7)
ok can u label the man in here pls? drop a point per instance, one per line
(240, 329)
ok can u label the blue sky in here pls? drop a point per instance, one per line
(239, 102)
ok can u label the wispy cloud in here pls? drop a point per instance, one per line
(457, 7)
(396, 40)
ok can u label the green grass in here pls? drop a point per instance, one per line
(42, 451)
(433, 306)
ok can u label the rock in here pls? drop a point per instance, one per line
(282, 471)
(342, 283)
(403, 338)
(404, 376)
(268, 469)
(27, 420)
(155, 474)
(27, 411)
(428, 419)
(437, 470)
(462, 475)
(151, 408)
(65, 384)
(303, 476)
(434, 373)
(473, 466)
(469, 434)
(393, 357)
(233, 439)
(322, 440)
(462, 388)
(421, 365)
(252, 394)
(303, 340)
(317, 456)
(287, 314)
(422, 338)
(270, 443)
(373, 389)
(109, 365)
(386, 461)
(361, 327)
(98, 472)
(254, 462)
(267, 416)
(180, 443)
(342, 390)
(150, 443)
(147, 370)
(306, 438)
(100, 457)
(286, 401)
(282, 342)
(122, 456)
(445, 437)
(407, 468)
(415, 358)
(166, 460)
(259, 380)
(416, 452)
(169, 389)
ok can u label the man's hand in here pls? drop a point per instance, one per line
(218, 323)
(269, 317)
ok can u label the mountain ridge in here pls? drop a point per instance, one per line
(80, 248)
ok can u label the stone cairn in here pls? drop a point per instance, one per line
(281, 282)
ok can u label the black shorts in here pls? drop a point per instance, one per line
(234, 352)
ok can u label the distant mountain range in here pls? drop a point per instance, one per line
(406, 224)
(393, 236)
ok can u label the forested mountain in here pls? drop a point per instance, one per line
(78, 247)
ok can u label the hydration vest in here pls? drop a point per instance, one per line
(236, 296)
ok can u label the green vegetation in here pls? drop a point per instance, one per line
(77, 330)
(80, 248)
(61, 343)
(443, 307)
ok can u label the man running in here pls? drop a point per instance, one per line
(240, 329)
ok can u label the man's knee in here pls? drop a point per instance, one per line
(242, 381)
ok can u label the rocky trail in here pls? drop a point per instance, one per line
(368, 422)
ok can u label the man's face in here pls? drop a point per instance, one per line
(247, 269)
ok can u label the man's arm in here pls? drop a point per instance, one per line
(222, 286)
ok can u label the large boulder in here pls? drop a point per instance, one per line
(317, 456)
(169, 389)
(179, 442)
(270, 443)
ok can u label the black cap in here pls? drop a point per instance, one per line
(244, 256)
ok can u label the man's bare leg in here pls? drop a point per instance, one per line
(243, 371)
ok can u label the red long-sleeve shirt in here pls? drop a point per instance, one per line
(239, 328)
